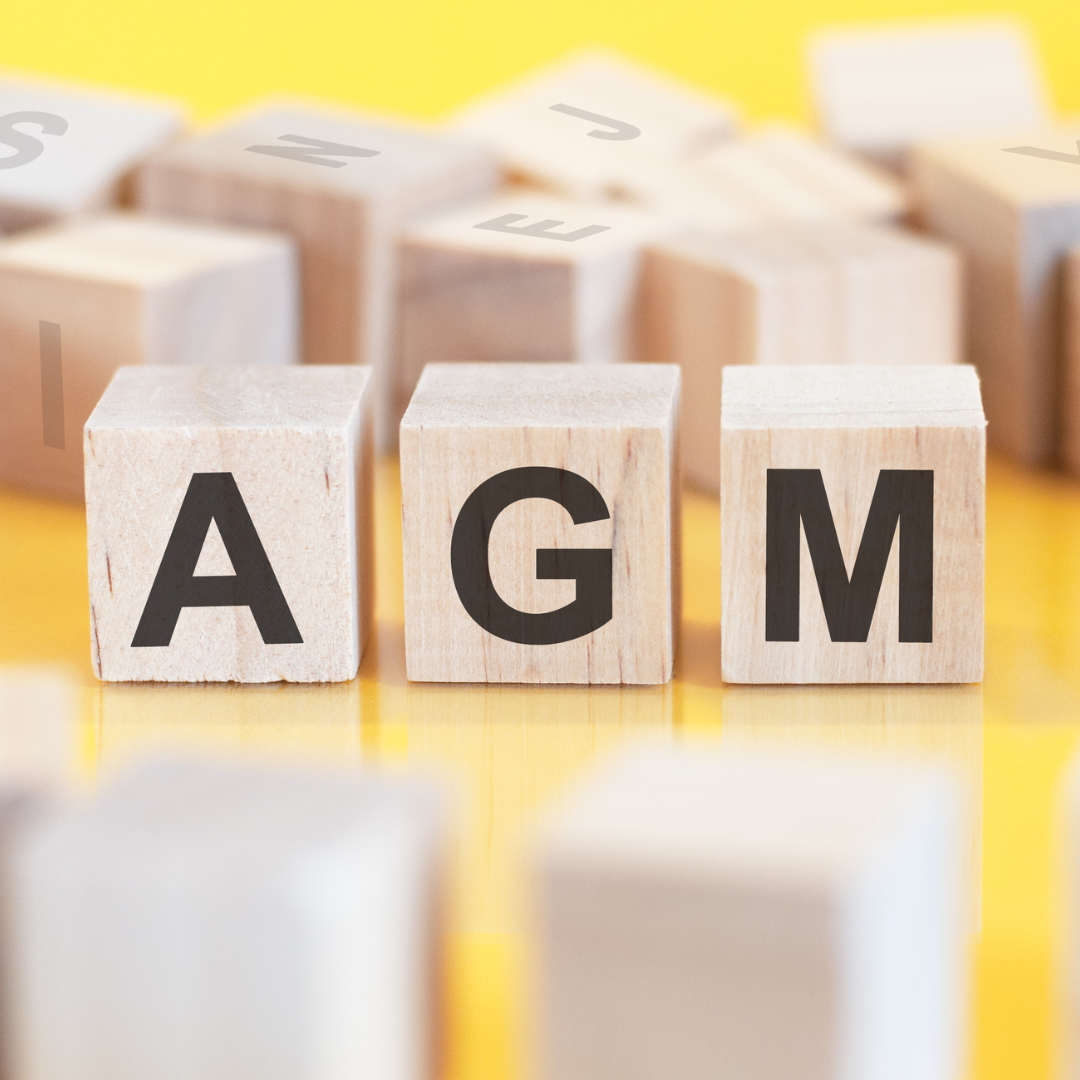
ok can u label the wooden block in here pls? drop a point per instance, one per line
(251, 490)
(79, 300)
(850, 457)
(220, 922)
(883, 89)
(836, 294)
(1070, 412)
(516, 474)
(1014, 217)
(595, 125)
(703, 914)
(519, 278)
(68, 150)
(341, 185)
(38, 718)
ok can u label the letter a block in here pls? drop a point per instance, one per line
(852, 505)
(540, 523)
(229, 524)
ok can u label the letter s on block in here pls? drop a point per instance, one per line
(591, 568)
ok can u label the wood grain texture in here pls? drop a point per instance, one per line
(298, 444)
(123, 290)
(835, 294)
(614, 425)
(851, 423)
(343, 219)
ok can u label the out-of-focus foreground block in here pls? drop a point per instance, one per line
(883, 472)
(220, 922)
(708, 914)
(38, 713)
(80, 300)
(541, 523)
(229, 524)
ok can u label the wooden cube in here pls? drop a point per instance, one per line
(519, 278)
(73, 148)
(883, 89)
(229, 524)
(220, 922)
(340, 185)
(541, 523)
(852, 507)
(705, 914)
(79, 300)
(836, 294)
(1014, 217)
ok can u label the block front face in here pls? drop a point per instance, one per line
(852, 525)
(498, 461)
(268, 469)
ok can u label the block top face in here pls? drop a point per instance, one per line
(770, 397)
(130, 249)
(544, 396)
(77, 146)
(315, 398)
(783, 818)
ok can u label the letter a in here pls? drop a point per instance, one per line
(215, 497)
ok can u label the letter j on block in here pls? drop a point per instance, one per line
(852, 506)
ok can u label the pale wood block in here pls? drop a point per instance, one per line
(38, 718)
(68, 150)
(341, 185)
(1014, 218)
(1070, 412)
(219, 922)
(639, 120)
(836, 294)
(497, 463)
(704, 914)
(81, 299)
(251, 489)
(519, 278)
(883, 89)
(871, 482)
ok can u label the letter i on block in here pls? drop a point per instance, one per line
(229, 524)
(540, 523)
(852, 506)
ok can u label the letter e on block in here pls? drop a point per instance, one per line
(852, 507)
(229, 524)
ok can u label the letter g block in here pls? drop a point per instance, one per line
(540, 523)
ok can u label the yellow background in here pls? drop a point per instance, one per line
(512, 748)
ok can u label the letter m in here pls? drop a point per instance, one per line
(904, 496)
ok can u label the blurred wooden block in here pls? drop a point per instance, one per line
(836, 294)
(705, 914)
(341, 185)
(1070, 413)
(67, 150)
(252, 490)
(883, 89)
(39, 711)
(1013, 217)
(519, 278)
(79, 300)
(516, 474)
(883, 471)
(219, 922)
(637, 119)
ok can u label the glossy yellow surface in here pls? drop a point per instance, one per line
(510, 749)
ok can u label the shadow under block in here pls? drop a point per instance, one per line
(706, 914)
(72, 148)
(221, 921)
(541, 523)
(229, 524)
(836, 294)
(883, 90)
(341, 186)
(1014, 218)
(852, 523)
(79, 300)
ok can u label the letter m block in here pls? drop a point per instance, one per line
(852, 505)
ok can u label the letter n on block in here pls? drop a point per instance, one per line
(852, 506)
